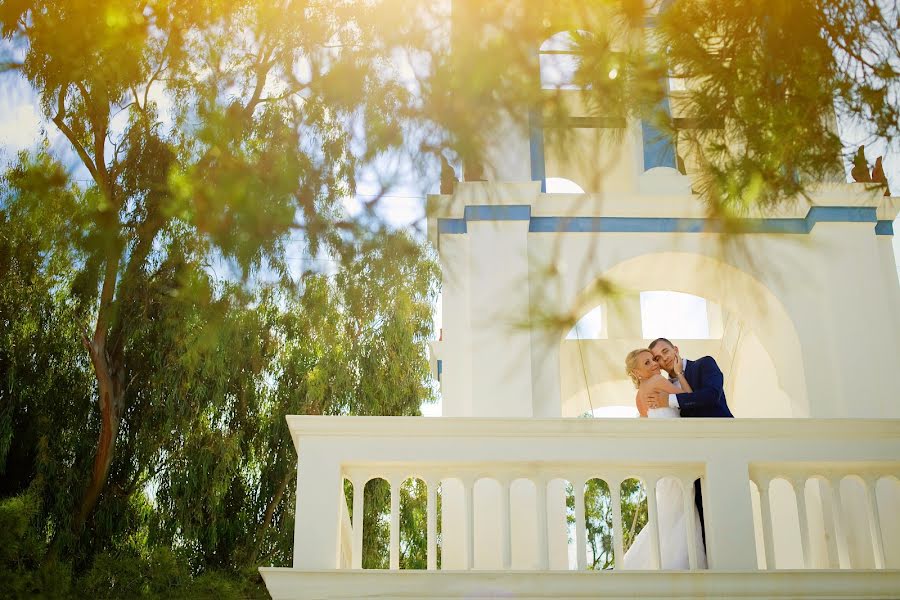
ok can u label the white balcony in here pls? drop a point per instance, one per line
(793, 507)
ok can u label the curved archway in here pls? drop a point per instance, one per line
(735, 290)
(559, 59)
(561, 185)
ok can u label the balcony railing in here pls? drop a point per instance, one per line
(833, 466)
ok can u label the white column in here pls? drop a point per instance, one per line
(456, 345)
(469, 524)
(505, 527)
(687, 486)
(359, 486)
(431, 524)
(875, 523)
(615, 498)
(728, 516)
(800, 492)
(653, 524)
(580, 528)
(318, 511)
(395, 525)
(766, 511)
(860, 328)
(623, 317)
(545, 370)
(543, 546)
(500, 356)
(837, 510)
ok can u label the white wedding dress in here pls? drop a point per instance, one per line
(673, 549)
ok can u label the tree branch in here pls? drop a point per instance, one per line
(59, 120)
(263, 66)
(162, 66)
(100, 128)
(106, 298)
(267, 519)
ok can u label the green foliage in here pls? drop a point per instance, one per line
(161, 574)
(202, 483)
(766, 84)
(599, 518)
(155, 328)
(413, 523)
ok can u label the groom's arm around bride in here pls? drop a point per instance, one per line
(704, 376)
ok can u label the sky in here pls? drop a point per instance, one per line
(665, 314)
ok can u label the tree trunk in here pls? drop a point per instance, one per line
(267, 519)
(111, 386)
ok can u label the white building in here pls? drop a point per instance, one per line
(801, 490)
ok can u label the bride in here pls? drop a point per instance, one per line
(643, 370)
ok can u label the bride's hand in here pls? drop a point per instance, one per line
(677, 366)
(641, 405)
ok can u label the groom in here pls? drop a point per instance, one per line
(706, 400)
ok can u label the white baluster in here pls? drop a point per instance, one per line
(828, 514)
(687, 486)
(653, 523)
(395, 525)
(875, 523)
(580, 527)
(766, 513)
(800, 492)
(615, 498)
(728, 513)
(359, 487)
(469, 485)
(543, 545)
(505, 527)
(431, 525)
(317, 515)
(838, 518)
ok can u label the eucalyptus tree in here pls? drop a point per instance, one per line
(207, 136)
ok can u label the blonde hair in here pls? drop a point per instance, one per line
(631, 365)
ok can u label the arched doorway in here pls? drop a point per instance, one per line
(750, 334)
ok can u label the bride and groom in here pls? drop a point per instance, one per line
(692, 389)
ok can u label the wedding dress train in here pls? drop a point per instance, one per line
(673, 549)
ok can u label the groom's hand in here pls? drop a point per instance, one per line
(654, 400)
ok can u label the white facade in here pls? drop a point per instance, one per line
(822, 305)
(804, 324)
(804, 310)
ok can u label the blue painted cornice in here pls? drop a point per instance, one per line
(522, 212)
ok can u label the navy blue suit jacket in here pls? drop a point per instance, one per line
(708, 397)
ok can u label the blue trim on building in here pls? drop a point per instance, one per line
(440, 368)
(659, 147)
(536, 148)
(452, 226)
(497, 212)
(841, 214)
(522, 212)
(613, 225)
(659, 151)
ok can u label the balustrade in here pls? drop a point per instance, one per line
(728, 455)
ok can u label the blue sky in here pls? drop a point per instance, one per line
(673, 315)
